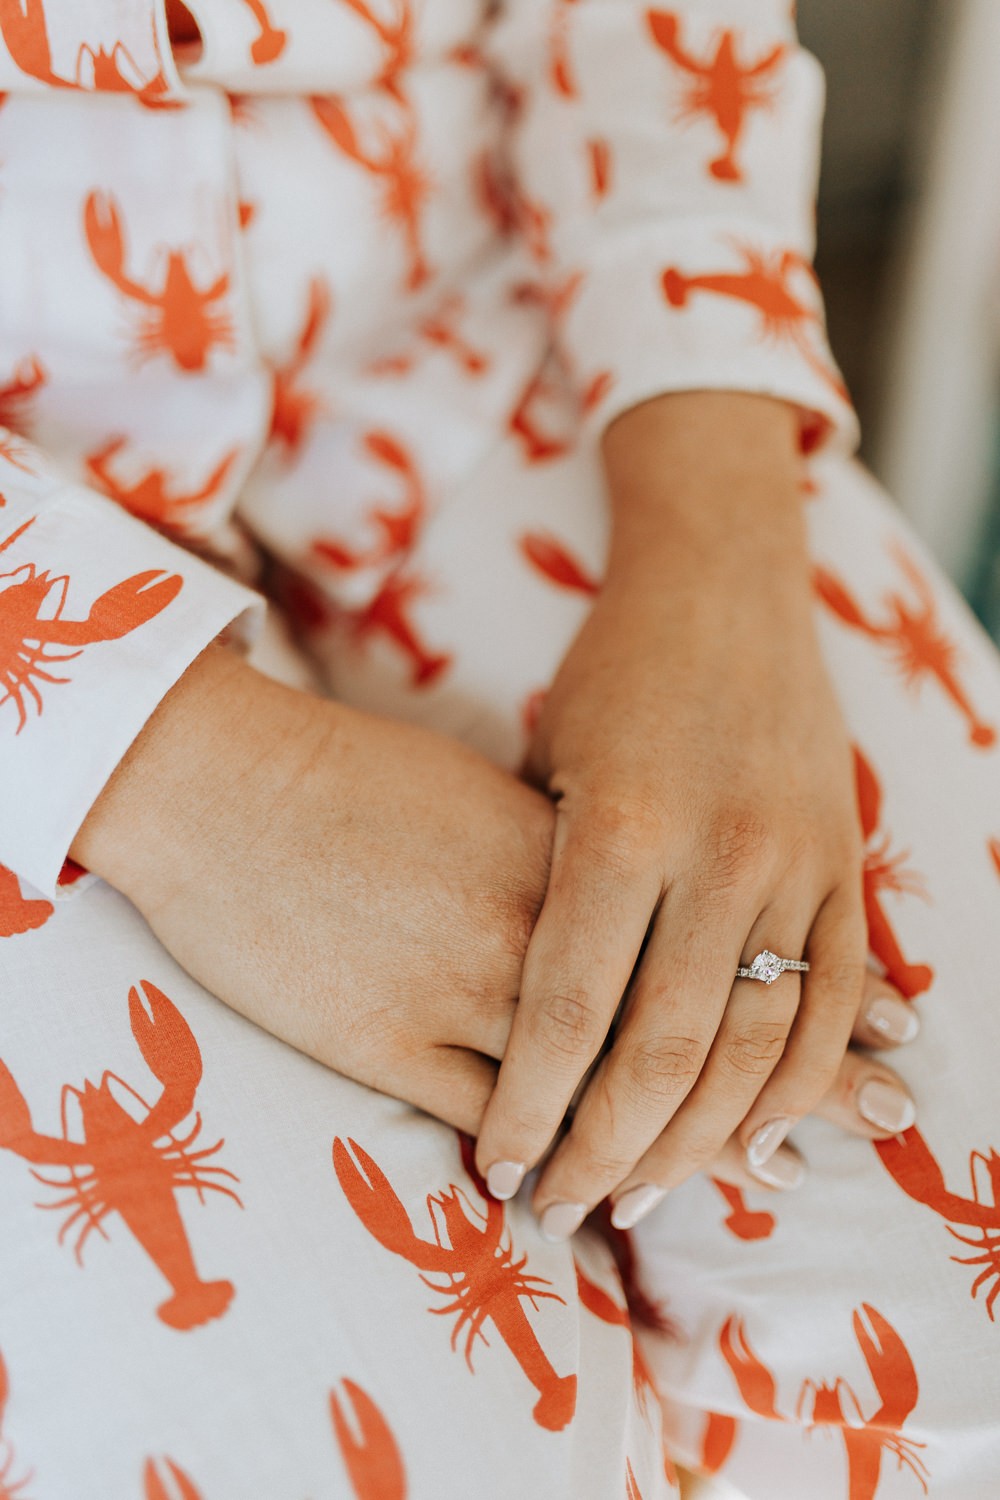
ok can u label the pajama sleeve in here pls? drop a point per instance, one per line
(99, 616)
(665, 161)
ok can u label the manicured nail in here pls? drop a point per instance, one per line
(894, 1019)
(782, 1170)
(636, 1204)
(765, 1141)
(560, 1220)
(504, 1178)
(885, 1105)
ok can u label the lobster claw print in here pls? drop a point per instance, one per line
(35, 631)
(132, 1167)
(472, 1257)
(885, 872)
(836, 1406)
(373, 1461)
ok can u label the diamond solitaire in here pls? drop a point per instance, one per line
(767, 967)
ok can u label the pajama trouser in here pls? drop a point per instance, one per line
(228, 1273)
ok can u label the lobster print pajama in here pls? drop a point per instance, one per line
(352, 292)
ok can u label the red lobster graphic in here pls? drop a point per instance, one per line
(598, 1302)
(374, 1464)
(17, 914)
(29, 640)
(717, 1439)
(270, 42)
(392, 162)
(993, 845)
(397, 529)
(723, 88)
(865, 1438)
(886, 872)
(745, 1223)
(22, 25)
(560, 68)
(10, 1489)
(149, 497)
(396, 39)
(295, 408)
(910, 1161)
(478, 1268)
(179, 319)
(440, 330)
(766, 285)
(912, 633)
(155, 1488)
(16, 396)
(121, 1165)
(550, 558)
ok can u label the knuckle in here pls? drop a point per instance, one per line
(623, 831)
(662, 1068)
(741, 846)
(753, 1051)
(843, 981)
(568, 1024)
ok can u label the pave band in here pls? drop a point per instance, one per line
(767, 967)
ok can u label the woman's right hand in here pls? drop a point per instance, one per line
(362, 888)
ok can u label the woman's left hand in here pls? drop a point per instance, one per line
(705, 811)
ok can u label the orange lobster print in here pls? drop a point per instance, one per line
(766, 284)
(179, 318)
(555, 562)
(295, 407)
(392, 163)
(33, 626)
(909, 1160)
(270, 41)
(913, 636)
(10, 1488)
(886, 872)
(133, 1168)
(373, 1462)
(439, 330)
(18, 913)
(604, 1307)
(560, 67)
(723, 88)
(396, 530)
(19, 392)
(395, 38)
(23, 28)
(993, 845)
(743, 1222)
(156, 1488)
(473, 1254)
(149, 496)
(865, 1439)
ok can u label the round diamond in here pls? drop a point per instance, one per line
(766, 966)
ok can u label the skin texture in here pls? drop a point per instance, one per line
(705, 807)
(382, 929)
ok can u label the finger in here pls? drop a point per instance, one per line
(885, 1019)
(675, 1007)
(577, 965)
(785, 1170)
(831, 998)
(451, 1083)
(868, 1099)
(746, 1049)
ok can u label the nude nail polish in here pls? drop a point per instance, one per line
(504, 1178)
(782, 1170)
(765, 1141)
(894, 1019)
(636, 1204)
(561, 1220)
(885, 1105)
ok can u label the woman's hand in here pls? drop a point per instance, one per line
(359, 887)
(706, 810)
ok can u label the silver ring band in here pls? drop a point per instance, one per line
(767, 967)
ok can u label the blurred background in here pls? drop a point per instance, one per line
(909, 257)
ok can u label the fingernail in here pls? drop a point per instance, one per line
(893, 1019)
(782, 1170)
(504, 1178)
(885, 1105)
(764, 1142)
(636, 1204)
(560, 1220)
